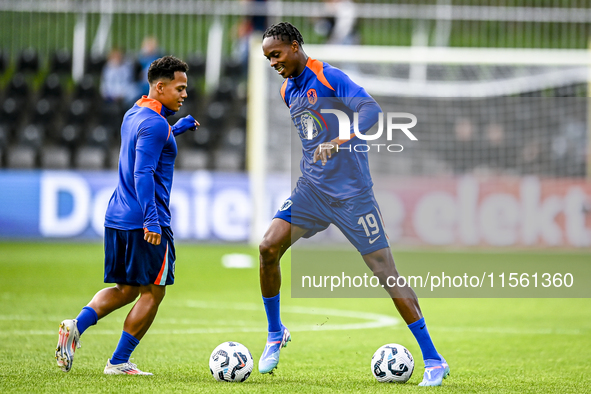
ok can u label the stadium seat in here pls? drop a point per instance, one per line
(4, 135)
(196, 65)
(193, 98)
(69, 135)
(100, 135)
(234, 138)
(61, 62)
(94, 65)
(45, 110)
(90, 158)
(111, 114)
(192, 159)
(233, 69)
(28, 61)
(79, 111)
(32, 135)
(202, 137)
(52, 87)
(113, 161)
(55, 157)
(12, 109)
(225, 90)
(21, 157)
(86, 89)
(18, 87)
(225, 160)
(215, 115)
(192, 92)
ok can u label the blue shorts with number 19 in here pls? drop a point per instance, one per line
(358, 218)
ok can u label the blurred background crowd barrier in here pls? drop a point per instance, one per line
(499, 89)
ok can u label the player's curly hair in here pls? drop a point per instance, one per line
(285, 31)
(165, 67)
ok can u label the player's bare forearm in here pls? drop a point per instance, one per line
(153, 238)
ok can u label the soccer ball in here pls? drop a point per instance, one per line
(392, 363)
(231, 362)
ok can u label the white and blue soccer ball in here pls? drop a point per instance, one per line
(392, 363)
(231, 362)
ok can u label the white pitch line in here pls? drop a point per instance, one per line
(372, 320)
(375, 320)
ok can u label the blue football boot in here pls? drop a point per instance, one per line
(275, 341)
(435, 372)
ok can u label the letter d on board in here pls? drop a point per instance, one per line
(51, 224)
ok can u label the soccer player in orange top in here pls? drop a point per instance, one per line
(334, 188)
(139, 244)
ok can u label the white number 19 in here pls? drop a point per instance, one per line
(371, 221)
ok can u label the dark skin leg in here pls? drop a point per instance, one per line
(278, 238)
(382, 265)
(281, 235)
(142, 314)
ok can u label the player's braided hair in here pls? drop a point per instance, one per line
(285, 31)
(165, 67)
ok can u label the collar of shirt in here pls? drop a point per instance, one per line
(155, 105)
(300, 80)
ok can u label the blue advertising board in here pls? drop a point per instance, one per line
(71, 204)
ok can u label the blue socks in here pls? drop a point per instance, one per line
(273, 316)
(125, 347)
(86, 318)
(419, 330)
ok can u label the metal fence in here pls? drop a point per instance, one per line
(182, 26)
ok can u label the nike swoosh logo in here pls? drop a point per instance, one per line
(371, 241)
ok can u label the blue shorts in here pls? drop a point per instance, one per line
(358, 218)
(130, 260)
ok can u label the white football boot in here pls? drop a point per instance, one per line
(127, 368)
(68, 342)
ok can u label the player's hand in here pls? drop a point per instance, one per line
(184, 124)
(153, 238)
(324, 152)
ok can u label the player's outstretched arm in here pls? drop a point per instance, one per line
(150, 142)
(184, 124)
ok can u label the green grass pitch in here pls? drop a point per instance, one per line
(492, 345)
